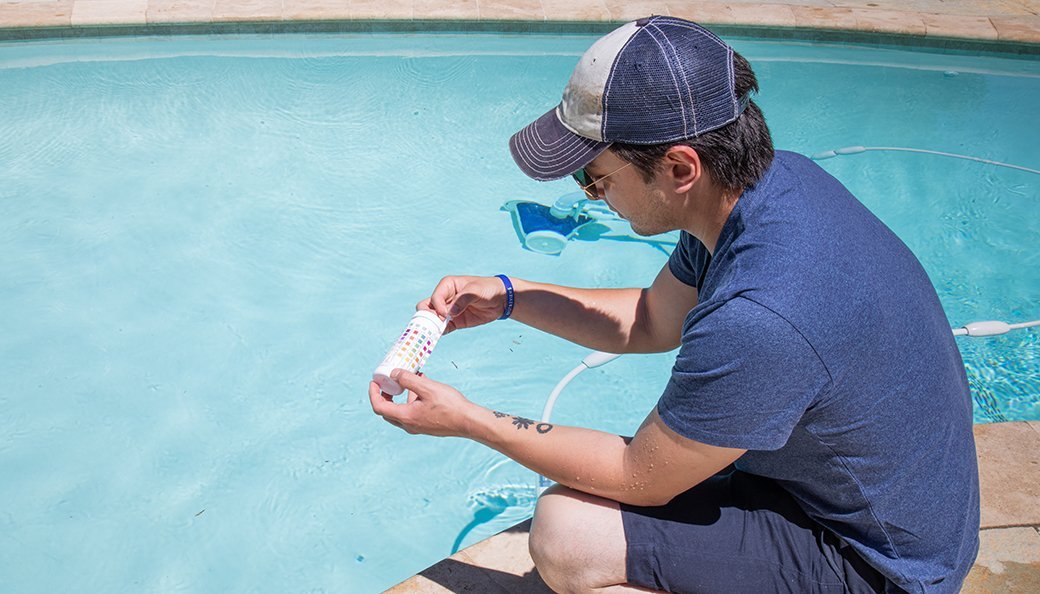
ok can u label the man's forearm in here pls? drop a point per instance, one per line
(612, 320)
(582, 459)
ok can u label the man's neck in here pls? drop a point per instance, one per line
(709, 215)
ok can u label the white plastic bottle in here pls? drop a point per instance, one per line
(411, 350)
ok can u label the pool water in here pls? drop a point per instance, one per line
(207, 244)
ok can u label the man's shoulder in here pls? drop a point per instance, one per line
(742, 321)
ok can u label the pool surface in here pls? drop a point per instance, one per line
(207, 244)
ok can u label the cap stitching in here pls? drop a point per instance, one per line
(729, 66)
(550, 158)
(528, 150)
(686, 83)
(732, 81)
(560, 145)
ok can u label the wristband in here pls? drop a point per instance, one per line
(510, 298)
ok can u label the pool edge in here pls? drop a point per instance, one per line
(873, 35)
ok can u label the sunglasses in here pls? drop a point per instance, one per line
(589, 186)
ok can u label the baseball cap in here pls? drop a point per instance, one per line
(655, 80)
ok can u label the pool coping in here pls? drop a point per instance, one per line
(1008, 561)
(1008, 27)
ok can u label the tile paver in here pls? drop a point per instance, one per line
(1019, 28)
(1008, 562)
(179, 11)
(1011, 488)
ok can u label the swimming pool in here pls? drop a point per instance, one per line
(207, 244)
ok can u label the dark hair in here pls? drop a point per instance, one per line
(736, 155)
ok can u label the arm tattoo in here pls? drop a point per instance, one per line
(525, 423)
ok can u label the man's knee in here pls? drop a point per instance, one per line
(549, 527)
(576, 540)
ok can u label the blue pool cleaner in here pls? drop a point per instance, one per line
(544, 229)
(547, 229)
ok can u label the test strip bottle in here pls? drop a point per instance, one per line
(411, 350)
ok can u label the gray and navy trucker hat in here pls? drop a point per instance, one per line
(656, 80)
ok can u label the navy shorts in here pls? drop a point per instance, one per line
(737, 532)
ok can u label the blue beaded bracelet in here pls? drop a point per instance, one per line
(509, 296)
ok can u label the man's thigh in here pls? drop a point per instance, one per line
(737, 532)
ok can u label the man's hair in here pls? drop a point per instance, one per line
(736, 155)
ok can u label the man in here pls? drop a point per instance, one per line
(815, 435)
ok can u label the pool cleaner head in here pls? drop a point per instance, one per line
(544, 229)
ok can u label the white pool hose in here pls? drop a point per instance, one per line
(855, 150)
(593, 359)
(991, 328)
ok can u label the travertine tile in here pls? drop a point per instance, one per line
(109, 12)
(503, 10)
(1032, 6)
(36, 14)
(824, 18)
(888, 21)
(446, 9)
(1008, 561)
(514, 569)
(381, 9)
(180, 11)
(770, 15)
(315, 10)
(1009, 474)
(620, 10)
(702, 12)
(500, 564)
(952, 25)
(972, 8)
(247, 10)
(818, 3)
(586, 10)
(1019, 28)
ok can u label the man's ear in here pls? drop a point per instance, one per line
(683, 166)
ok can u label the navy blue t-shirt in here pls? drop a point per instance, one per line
(820, 346)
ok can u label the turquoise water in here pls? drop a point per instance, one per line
(207, 244)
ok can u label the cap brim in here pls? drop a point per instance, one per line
(547, 150)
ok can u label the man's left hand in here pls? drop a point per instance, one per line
(432, 408)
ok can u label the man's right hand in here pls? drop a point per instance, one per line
(469, 301)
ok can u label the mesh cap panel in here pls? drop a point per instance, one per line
(673, 80)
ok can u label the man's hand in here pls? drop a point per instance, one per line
(469, 301)
(433, 408)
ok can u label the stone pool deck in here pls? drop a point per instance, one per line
(1012, 25)
(1008, 561)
